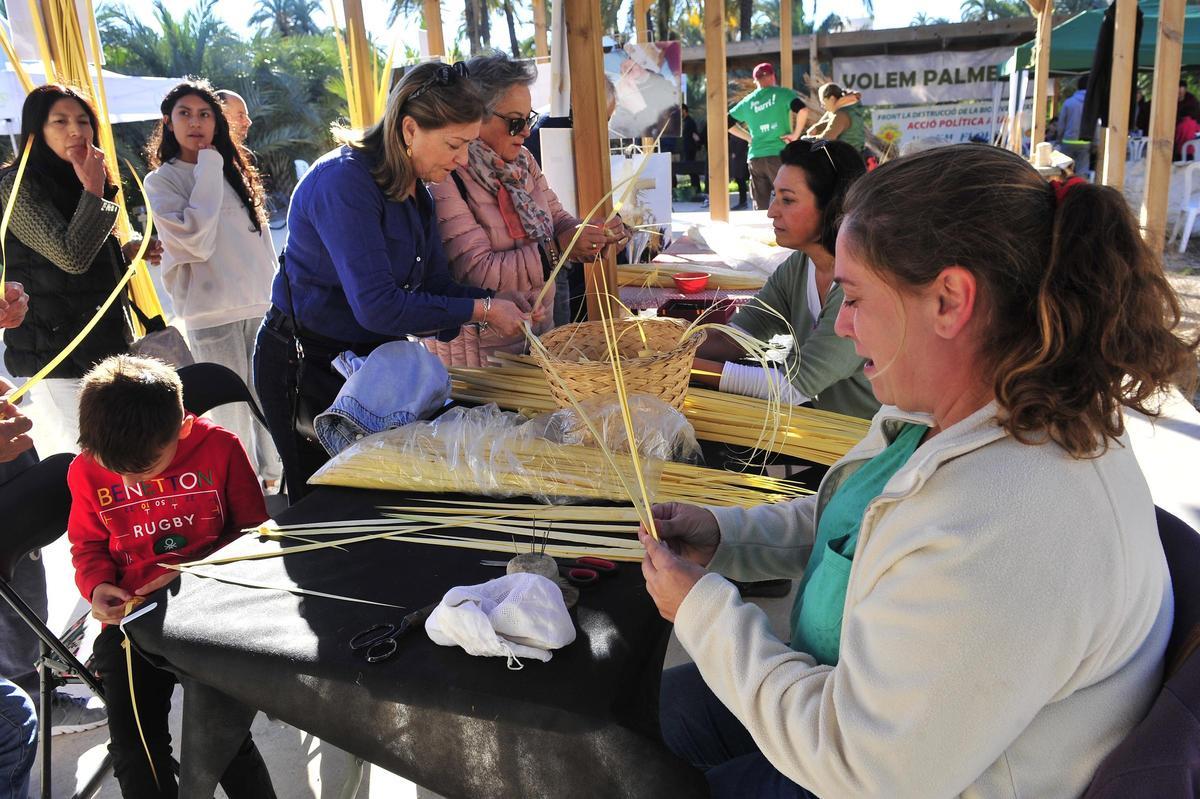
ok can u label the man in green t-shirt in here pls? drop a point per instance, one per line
(767, 113)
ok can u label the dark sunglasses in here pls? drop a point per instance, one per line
(515, 126)
(444, 75)
(821, 144)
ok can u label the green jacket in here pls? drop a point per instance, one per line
(824, 366)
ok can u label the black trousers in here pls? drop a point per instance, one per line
(276, 373)
(245, 778)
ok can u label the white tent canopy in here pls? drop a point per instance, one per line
(130, 99)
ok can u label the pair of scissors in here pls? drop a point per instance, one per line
(581, 572)
(379, 642)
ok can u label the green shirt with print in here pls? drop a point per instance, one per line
(767, 113)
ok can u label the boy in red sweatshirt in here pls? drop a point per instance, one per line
(153, 485)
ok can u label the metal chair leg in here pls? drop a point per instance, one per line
(45, 719)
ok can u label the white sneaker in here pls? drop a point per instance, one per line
(70, 714)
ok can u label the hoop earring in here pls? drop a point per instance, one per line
(408, 150)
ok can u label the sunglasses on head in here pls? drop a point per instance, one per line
(822, 145)
(515, 126)
(444, 75)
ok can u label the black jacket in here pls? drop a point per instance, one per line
(60, 302)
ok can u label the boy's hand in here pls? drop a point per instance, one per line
(157, 583)
(108, 602)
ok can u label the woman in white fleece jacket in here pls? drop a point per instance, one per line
(218, 258)
(986, 605)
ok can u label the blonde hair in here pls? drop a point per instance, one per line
(435, 95)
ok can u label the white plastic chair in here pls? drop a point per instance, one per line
(1135, 150)
(1190, 208)
(1192, 147)
(301, 167)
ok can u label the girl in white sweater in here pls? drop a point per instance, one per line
(218, 259)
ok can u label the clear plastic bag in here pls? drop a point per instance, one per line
(484, 450)
(661, 431)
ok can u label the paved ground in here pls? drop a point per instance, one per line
(304, 767)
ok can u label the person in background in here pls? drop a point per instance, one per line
(18, 719)
(689, 148)
(772, 116)
(61, 247)
(1187, 119)
(800, 298)
(994, 502)
(502, 226)
(364, 262)
(845, 118)
(134, 432)
(1070, 118)
(237, 115)
(218, 257)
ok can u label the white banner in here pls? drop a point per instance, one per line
(938, 77)
(944, 124)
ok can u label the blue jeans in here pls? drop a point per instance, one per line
(702, 731)
(18, 741)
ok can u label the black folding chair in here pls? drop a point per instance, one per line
(35, 506)
(211, 385)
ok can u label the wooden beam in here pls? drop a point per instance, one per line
(433, 25)
(593, 172)
(641, 9)
(1167, 58)
(1041, 79)
(785, 44)
(1113, 171)
(716, 85)
(541, 48)
(360, 60)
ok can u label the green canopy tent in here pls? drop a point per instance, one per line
(1073, 43)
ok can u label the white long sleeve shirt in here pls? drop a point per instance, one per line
(216, 267)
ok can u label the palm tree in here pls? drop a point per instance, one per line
(510, 18)
(922, 18)
(181, 48)
(983, 10)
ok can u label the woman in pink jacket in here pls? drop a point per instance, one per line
(502, 226)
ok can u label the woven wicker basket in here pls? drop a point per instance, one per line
(663, 374)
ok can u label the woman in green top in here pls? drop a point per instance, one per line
(800, 298)
(844, 119)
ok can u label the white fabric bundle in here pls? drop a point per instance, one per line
(515, 616)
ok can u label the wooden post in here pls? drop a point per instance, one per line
(785, 44)
(1113, 172)
(641, 10)
(1167, 58)
(593, 170)
(716, 84)
(1041, 80)
(360, 60)
(433, 26)
(540, 47)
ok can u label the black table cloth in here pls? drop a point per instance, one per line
(584, 724)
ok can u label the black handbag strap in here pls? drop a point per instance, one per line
(152, 325)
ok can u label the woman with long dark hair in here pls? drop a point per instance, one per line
(365, 263)
(60, 245)
(218, 258)
(800, 298)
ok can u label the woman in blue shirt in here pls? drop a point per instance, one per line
(364, 262)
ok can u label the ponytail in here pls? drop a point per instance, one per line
(1079, 320)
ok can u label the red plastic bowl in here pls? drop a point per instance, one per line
(690, 282)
